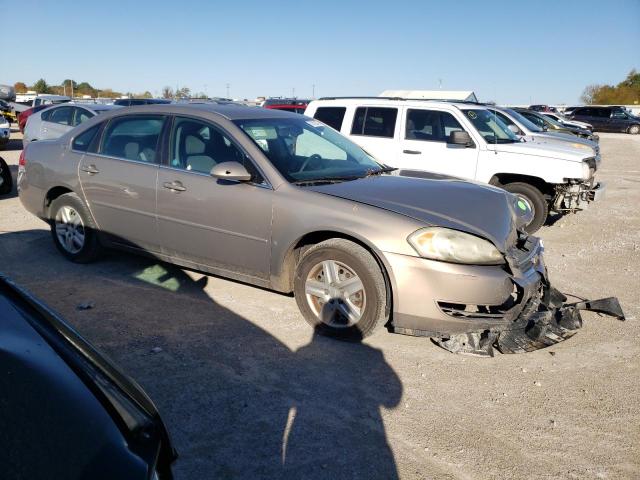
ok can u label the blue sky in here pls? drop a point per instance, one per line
(507, 51)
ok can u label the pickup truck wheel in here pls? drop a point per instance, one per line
(534, 200)
(340, 290)
(634, 129)
(72, 229)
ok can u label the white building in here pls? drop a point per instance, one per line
(460, 95)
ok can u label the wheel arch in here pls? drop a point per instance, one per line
(52, 194)
(502, 179)
(283, 281)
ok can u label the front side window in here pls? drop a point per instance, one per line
(430, 125)
(375, 122)
(82, 115)
(197, 146)
(534, 119)
(492, 129)
(133, 138)
(332, 116)
(62, 116)
(304, 150)
(83, 141)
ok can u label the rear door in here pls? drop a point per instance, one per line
(424, 144)
(619, 121)
(377, 130)
(119, 180)
(217, 223)
(56, 122)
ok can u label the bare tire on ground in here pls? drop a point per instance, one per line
(535, 201)
(340, 290)
(6, 181)
(72, 229)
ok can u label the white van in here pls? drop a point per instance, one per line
(466, 140)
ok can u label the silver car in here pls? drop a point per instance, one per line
(57, 120)
(282, 201)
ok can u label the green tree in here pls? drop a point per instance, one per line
(41, 86)
(184, 92)
(626, 92)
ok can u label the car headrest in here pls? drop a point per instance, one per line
(193, 145)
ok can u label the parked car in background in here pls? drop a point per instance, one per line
(24, 116)
(294, 105)
(548, 124)
(567, 121)
(54, 121)
(608, 119)
(567, 110)
(465, 140)
(129, 102)
(542, 108)
(67, 411)
(6, 181)
(5, 131)
(529, 131)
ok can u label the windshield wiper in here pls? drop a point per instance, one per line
(315, 181)
(380, 171)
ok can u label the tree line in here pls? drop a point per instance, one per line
(71, 87)
(626, 92)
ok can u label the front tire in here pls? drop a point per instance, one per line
(634, 129)
(73, 230)
(340, 290)
(535, 201)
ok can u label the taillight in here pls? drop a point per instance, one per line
(22, 162)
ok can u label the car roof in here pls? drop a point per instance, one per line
(228, 111)
(94, 107)
(397, 101)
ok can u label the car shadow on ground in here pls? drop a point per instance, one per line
(238, 402)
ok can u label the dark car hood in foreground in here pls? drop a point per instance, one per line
(442, 201)
(65, 411)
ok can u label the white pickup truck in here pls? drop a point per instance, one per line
(466, 140)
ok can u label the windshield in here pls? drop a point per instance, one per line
(306, 150)
(528, 124)
(552, 121)
(489, 125)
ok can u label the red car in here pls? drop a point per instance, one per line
(294, 105)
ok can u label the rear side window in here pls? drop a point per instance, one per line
(374, 122)
(83, 141)
(430, 125)
(133, 138)
(331, 116)
(587, 112)
(62, 116)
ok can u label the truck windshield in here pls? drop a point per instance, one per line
(307, 151)
(489, 125)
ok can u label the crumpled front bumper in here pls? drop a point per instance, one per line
(574, 197)
(541, 317)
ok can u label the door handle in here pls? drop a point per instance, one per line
(90, 169)
(174, 186)
(412, 152)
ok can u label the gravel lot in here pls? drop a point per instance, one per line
(248, 392)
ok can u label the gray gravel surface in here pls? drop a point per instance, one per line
(248, 392)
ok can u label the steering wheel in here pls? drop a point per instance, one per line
(315, 156)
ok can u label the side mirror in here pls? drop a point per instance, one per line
(460, 138)
(515, 129)
(233, 171)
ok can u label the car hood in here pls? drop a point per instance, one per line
(550, 150)
(474, 208)
(570, 141)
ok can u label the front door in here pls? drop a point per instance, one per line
(211, 222)
(119, 180)
(424, 146)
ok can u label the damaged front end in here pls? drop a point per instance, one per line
(537, 316)
(576, 194)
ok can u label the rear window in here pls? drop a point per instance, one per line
(331, 116)
(375, 122)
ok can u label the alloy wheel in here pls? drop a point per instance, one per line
(70, 229)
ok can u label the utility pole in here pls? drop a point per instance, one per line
(293, 92)
(440, 83)
(313, 91)
(228, 86)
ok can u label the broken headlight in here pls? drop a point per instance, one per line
(444, 244)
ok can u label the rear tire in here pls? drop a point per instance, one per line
(7, 180)
(634, 129)
(535, 200)
(340, 290)
(73, 230)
